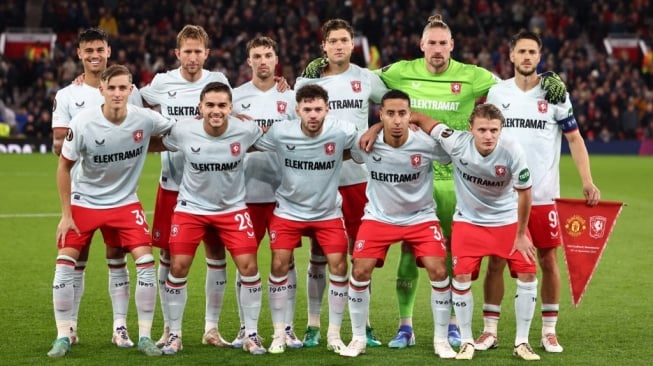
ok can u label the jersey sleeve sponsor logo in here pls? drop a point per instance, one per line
(416, 160)
(281, 106)
(330, 148)
(69, 135)
(524, 175)
(500, 170)
(356, 86)
(235, 148)
(456, 87)
(542, 106)
(446, 133)
(138, 135)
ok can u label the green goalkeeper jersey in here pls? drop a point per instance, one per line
(448, 97)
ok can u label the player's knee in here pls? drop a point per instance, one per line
(361, 274)
(548, 261)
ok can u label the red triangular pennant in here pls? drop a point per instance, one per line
(585, 232)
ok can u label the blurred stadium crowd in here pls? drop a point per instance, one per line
(612, 95)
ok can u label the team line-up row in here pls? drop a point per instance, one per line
(315, 173)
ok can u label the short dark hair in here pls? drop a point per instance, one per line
(395, 94)
(311, 92)
(489, 111)
(217, 87)
(262, 41)
(525, 34)
(335, 24)
(92, 34)
(115, 70)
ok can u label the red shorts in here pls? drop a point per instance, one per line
(164, 208)
(287, 234)
(234, 229)
(122, 227)
(353, 206)
(470, 243)
(261, 214)
(374, 238)
(544, 227)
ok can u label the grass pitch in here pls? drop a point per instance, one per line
(609, 327)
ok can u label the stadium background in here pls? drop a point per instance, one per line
(612, 95)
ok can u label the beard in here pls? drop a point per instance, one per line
(523, 72)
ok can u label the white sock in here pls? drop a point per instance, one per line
(549, 318)
(292, 293)
(145, 294)
(216, 282)
(359, 306)
(251, 294)
(176, 298)
(491, 315)
(240, 306)
(315, 286)
(164, 269)
(524, 309)
(278, 298)
(338, 286)
(441, 307)
(78, 283)
(63, 294)
(119, 290)
(463, 304)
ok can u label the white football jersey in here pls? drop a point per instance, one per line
(178, 98)
(213, 173)
(538, 126)
(110, 156)
(484, 185)
(76, 98)
(310, 168)
(349, 96)
(400, 186)
(262, 175)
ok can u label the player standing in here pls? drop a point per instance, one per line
(310, 152)
(446, 90)
(265, 105)
(400, 207)
(177, 93)
(93, 50)
(539, 126)
(350, 88)
(493, 191)
(211, 202)
(110, 142)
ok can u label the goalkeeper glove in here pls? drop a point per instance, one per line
(314, 69)
(555, 88)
